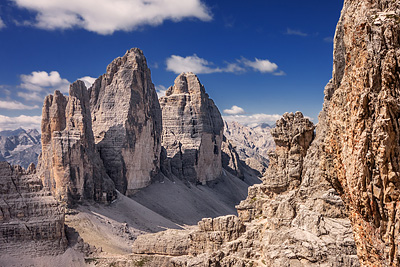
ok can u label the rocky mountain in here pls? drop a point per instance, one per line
(192, 131)
(294, 218)
(361, 113)
(126, 120)
(20, 147)
(69, 164)
(252, 143)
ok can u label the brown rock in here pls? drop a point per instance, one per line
(69, 164)
(361, 111)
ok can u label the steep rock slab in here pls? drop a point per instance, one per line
(31, 220)
(362, 110)
(192, 131)
(69, 164)
(126, 119)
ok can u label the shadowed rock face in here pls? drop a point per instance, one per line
(31, 220)
(362, 111)
(192, 131)
(126, 119)
(69, 164)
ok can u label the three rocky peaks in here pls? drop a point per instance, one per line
(329, 198)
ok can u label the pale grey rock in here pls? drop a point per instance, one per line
(31, 220)
(126, 119)
(192, 131)
(69, 164)
(252, 143)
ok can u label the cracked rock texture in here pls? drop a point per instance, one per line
(31, 220)
(69, 164)
(192, 131)
(126, 119)
(294, 218)
(362, 110)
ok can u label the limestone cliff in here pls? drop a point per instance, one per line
(126, 119)
(69, 164)
(294, 218)
(361, 113)
(31, 221)
(192, 131)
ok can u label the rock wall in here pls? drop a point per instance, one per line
(31, 221)
(362, 111)
(192, 131)
(69, 164)
(126, 119)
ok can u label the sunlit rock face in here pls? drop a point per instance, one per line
(31, 220)
(126, 119)
(192, 131)
(69, 164)
(362, 110)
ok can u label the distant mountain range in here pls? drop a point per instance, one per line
(20, 147)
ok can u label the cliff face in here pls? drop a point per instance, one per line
(192, 131)
(362, 111)
(294, 218)
(126, 119)
(69, 164)
(31, 221)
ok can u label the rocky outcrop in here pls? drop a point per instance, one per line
(192, 131)
(252, 143)
(69, 164)
(126, 119)
(294, 218)
(230, 159)
(31, 221)
(361, 113)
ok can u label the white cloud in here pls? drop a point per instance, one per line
(296, 32)
(195, 64)
(2, 25)
(107, 16)
(279, 73)
(161, 90)
(41, 81)
(234, 110)
(261, 65)
(328, 39)
(26, 122)
(31, 96)
(253, 119)
(88, 81)
(14, 105)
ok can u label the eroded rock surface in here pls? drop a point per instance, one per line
(362, 110)
(31, 221)
(69, 164)
(192, 131)
(127, 122)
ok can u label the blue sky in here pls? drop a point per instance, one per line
(257, 59)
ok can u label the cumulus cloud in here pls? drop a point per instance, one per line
(2, 25)
(39, 81)
(195, 64)
(26, 122)
(14, 105)
(234, 110)
(107, 16)
(295, 32)
(161, 90)
(88, 81)
(253, 119)
(261, 65)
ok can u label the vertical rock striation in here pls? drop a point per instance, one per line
(31, 220)
(69, 164)
(361, 113)
(126, 119)
(192, 131)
